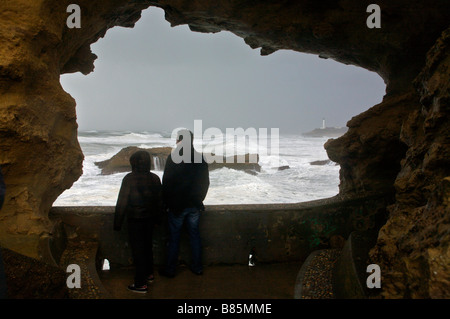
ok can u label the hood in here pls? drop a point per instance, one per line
(140, 162)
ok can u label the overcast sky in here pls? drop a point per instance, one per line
(156, 78)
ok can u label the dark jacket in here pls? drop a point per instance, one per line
(140, 195)
(185, 185)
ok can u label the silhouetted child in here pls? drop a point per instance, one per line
(140, 200)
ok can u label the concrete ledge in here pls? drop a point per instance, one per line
(314, 280)
(278, 232)
(298, 293)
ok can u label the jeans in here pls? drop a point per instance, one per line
(192, 218)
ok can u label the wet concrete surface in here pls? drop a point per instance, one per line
(263, 281)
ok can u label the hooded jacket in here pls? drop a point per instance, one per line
(140, 195)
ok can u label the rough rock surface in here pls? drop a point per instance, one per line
(399, 146)
(414, 244)
(28, 278)
(370, 152)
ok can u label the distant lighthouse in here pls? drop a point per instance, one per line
(323, 124)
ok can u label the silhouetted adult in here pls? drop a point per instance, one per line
(140, 200)
(185, 185)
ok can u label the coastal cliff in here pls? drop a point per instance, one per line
(399, 147)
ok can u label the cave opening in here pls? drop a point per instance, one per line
(152, 79)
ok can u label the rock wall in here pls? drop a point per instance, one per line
(414, 244)
(39, 151)
(399, 146)
(370, 152)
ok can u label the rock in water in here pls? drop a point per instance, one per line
(121, 161)
(324, 162)
(247, 163)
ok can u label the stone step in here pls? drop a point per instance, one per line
(314, 280)
(336, 273)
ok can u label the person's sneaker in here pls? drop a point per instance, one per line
(139, 289)
(150, 278)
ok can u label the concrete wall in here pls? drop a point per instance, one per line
(278, 232)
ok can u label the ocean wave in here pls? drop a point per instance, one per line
(112, 138)
(300, 182)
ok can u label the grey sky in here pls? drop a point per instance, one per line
(154, 77)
